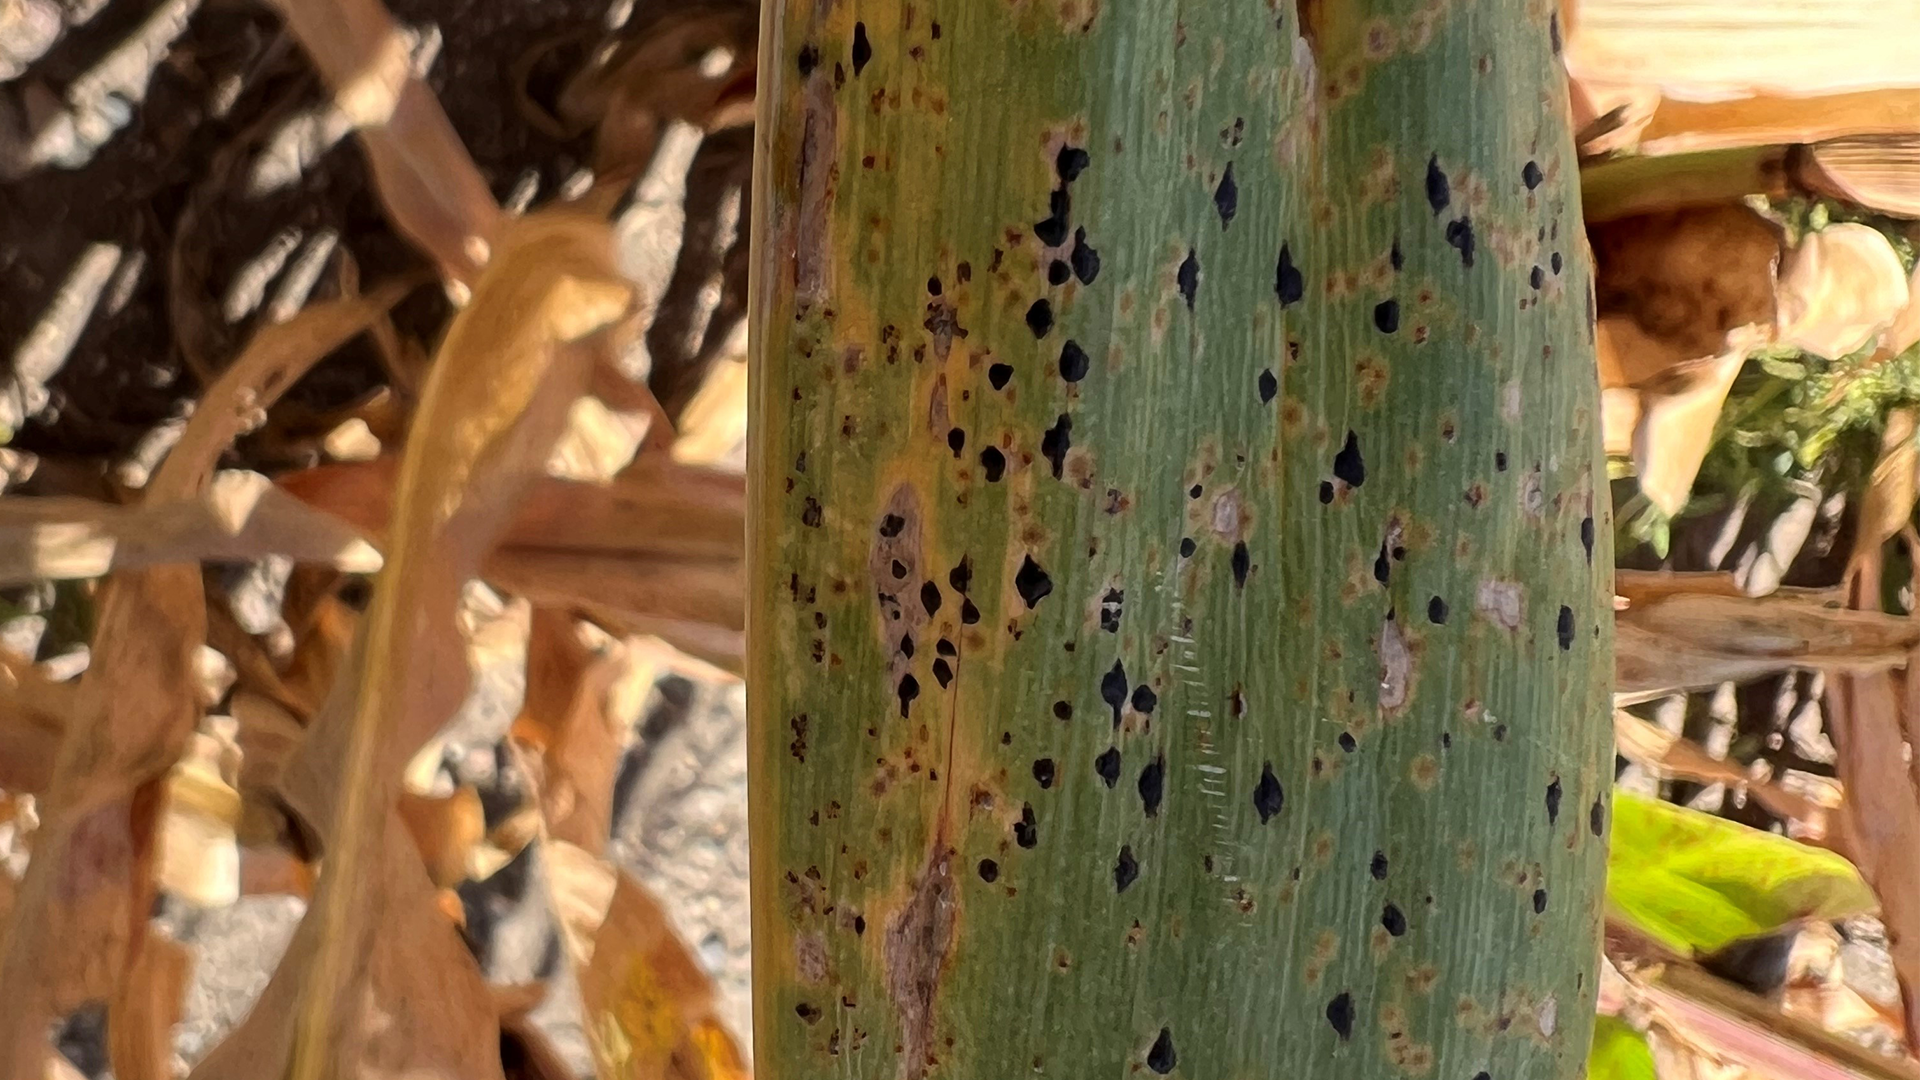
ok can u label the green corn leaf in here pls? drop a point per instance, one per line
(1697, 883)
(1179, 560)
(1620, 1052)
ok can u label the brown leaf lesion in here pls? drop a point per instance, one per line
(920, 938)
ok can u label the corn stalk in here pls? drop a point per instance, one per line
(1178, 637)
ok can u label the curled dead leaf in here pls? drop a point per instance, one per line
(1683, 297)
(694, 66)
(511, 366)
(1839, 288)
(1676, 424)
(1687, 279)
(87, 893)
(1877, 171)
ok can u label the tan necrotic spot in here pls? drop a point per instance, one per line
(810, 958)
(1424, 771)
(1326, 946)
(1500, 602)
(1226, 519)
(919, 940)
(1420, 978)
(1396, 667)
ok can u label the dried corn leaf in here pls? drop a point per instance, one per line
(599, 441)
(1886, 507)
(696, 590)
(657, 506)
(1883, 812)
(433, 193)
(1646, 586)
(1881, 172)
(714, 424)
(633, 397)
(1677, 126)
(86, 896)
(242, 516)
(1904, 331)
(511, 366)
(1877, 171)
(438, 1014)
(1719, 73)
(1695, 641)
(320, 655)
(34, 710)
(34, 688)
(1731, 1025)
(255, 671)
(659, 550)
(27, 752)
(196, 838)
(1669, 754)
(144, 1008)
(694, 66)
(1676, 424)
(710, 591)
(1619, 416)
(718, 651)
(649, 1006)
(446, 830)
(267, 736)
(1630, 357)
(273, 870)
(564, 726)
(1838, 289)
(1688, 278)
(275, 358)
(1708, 49)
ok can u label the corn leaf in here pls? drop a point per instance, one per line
(1697, 883)
(1619, 1052)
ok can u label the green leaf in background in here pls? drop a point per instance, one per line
(1697, 883)
(1619, 1052)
